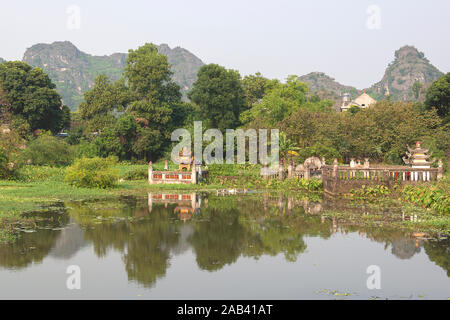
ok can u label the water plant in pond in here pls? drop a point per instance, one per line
(370, 191)
(433, 197)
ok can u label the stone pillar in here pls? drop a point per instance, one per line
(352, 162)
(366, 166)
(166, 165)
(290, 170)
(440, 173)
(366, 163)
(264, 172)
(306, 173)
(280, 171)
(150, 172)
(335, 167)
(387, 178)
(194, 174)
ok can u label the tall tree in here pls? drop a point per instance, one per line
(255, 87)
(102, 100)
(149, 79)
(31, 95)
(219, 96)
(438, 96)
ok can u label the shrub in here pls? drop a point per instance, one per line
(136, 174)
(92, 173)
(48, 150)
(435, 197)
(10, 148)
(86, 149)
(3, 165)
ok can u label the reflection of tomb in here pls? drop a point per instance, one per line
(187, 204)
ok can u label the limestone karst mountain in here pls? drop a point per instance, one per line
(327, 87)
(74, 71)
(410, 66)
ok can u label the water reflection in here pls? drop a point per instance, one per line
(150, 231)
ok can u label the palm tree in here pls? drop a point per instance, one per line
(287, 147)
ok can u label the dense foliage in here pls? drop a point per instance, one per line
(48, 150)
(438, 97)
(435, 197)
(29, 94)
(219, 96)
(92, 173)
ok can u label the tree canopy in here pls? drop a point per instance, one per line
(219, 96)
(438, 96)
(28, 93)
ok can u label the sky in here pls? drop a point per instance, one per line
(351, 40)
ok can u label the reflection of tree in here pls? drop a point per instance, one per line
(29, 248)
(236, 228)
(403, 247)
(148, 250)
(145, 244)
(220, 240)
(34, 247)
(439, 252)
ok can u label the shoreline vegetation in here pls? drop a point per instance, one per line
(41, 188)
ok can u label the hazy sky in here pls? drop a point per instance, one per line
(351, 40)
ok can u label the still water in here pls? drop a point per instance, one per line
(208, 246)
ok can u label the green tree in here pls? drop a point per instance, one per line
(287, 147)
(129, 140)
(255, 88)
(31, 95)
(438, 96)
(102, 101)
(156, 94)
(280, 102)
(149, 75)
(48, 150)
(219, 96)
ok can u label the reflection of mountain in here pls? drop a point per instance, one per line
(69, 242)
(185, 231)
(404, 248)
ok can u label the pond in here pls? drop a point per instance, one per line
(213, 246)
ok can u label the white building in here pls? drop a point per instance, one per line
(363, 101)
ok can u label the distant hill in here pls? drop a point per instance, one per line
(2, 60)
(74, 71)
(409, 66)
(327, 87)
